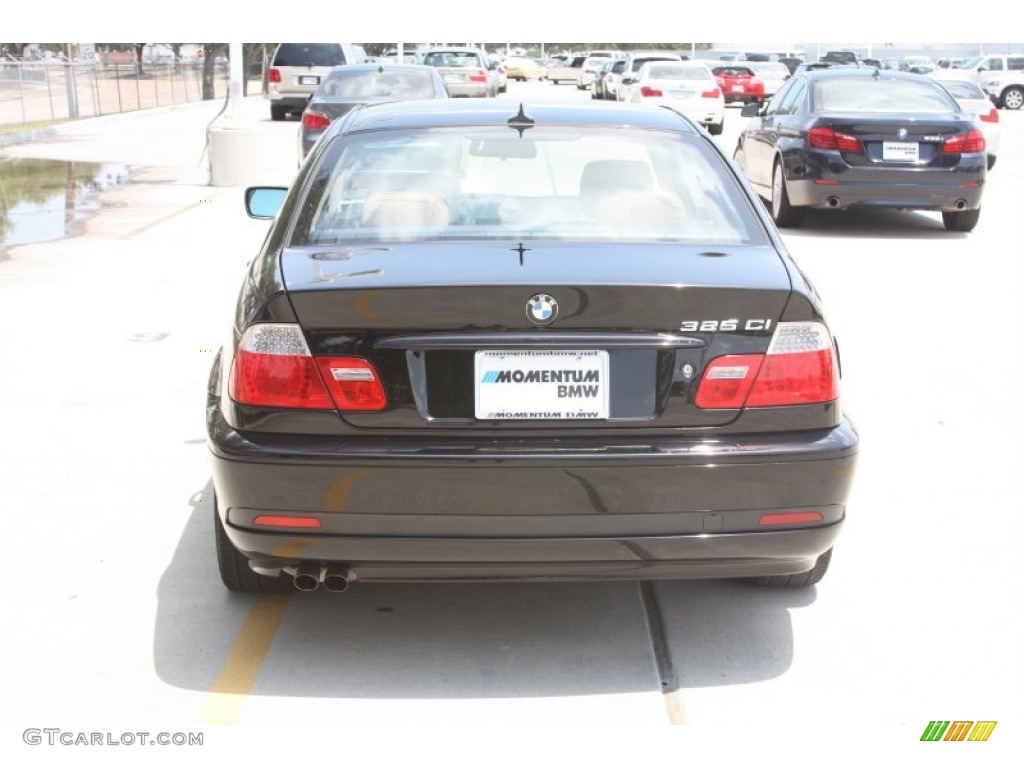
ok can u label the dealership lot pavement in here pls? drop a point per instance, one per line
(117, 620)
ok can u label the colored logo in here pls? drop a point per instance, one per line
(542, 309)
(958, 730)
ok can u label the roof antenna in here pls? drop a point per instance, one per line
(521, 121)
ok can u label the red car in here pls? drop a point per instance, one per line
(739, 83)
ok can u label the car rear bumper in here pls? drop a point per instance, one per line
(413, 509)
(948, 193)
(468, 90)
(292, 101)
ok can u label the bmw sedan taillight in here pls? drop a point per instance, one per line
(314, 120)
(972, 141)
(799, 368)
(825, 137)
(646, 90)
(273, 368)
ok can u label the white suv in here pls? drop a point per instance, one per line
(298, 68)
(1001, 76)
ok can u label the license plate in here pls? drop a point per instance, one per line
(309, 80)
(900, 150)
(737, 89)
(541, 384)
(681, 94)
(453, 78)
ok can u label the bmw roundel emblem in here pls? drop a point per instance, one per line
(541, 309)
(901, 133)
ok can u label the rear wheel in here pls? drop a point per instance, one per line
(1013, 98)
(715, 129)
(278, 112)
(783, 214)
(961, 221)
(991, 162)
(234, 566)
(740, 159)
(805, 579)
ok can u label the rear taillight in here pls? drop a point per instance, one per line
(714, 93)
(646, 90)
(825, 137)
(991, 117)
(479, 77)
(727, 381)
(273, 368)
(273, 75)
(799, 368)
(972, 141)
(353, 383)
(314, 120)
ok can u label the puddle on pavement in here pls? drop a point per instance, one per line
(47, 199)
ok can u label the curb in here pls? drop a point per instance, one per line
(10, 139)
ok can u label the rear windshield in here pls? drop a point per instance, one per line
(881, 96)
(452, 59)
(962, 89)
(490, 183)
(637, 63)
(676, 72)
(309, 55)
(734, 72)
(770, 68)
(396, 84)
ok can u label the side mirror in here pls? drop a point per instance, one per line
(628, 80)
(264, 202)
(750, 110)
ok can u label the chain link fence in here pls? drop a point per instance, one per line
(49, 91)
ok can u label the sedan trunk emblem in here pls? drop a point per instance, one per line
(901, 133)
(541, 309)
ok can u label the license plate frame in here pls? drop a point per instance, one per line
(542, 385)
(309, 79)
(901, 151)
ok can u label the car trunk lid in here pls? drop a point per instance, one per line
(457, 318)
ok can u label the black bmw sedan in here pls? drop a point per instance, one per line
(841, 138)
(485, 340)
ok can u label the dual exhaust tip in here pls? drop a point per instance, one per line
(307, 577)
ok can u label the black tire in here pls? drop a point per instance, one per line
(991, 162)
(715, 129)
(278, 112)
(234, 566)
(805, 579)
(783, 214)
(960, 221)
(1012, 98)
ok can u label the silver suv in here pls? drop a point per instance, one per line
(298, 68)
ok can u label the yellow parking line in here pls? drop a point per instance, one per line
(231, 689)
(675, 708)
